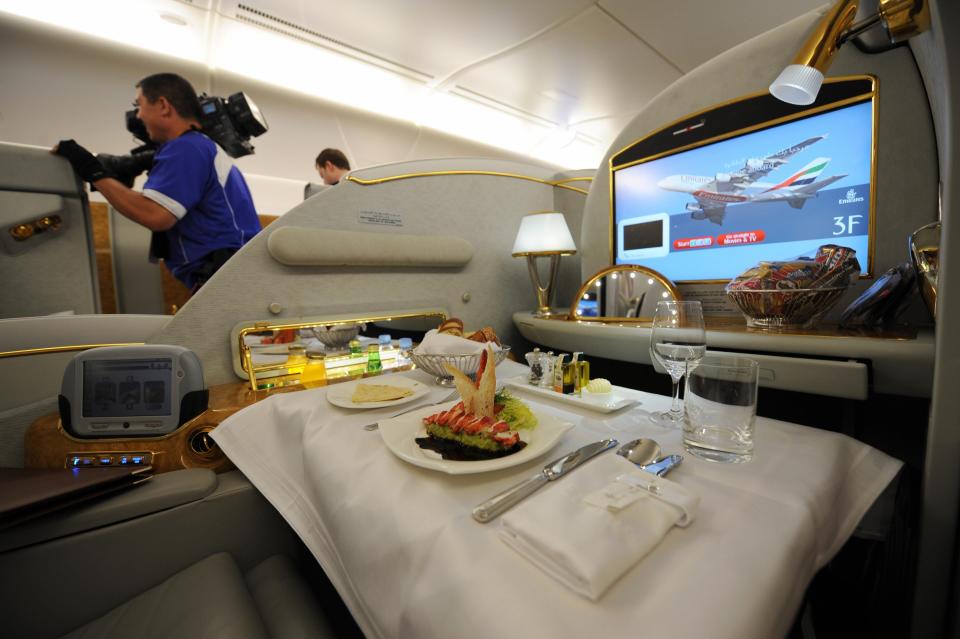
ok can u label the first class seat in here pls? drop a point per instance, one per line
(213, 599)
(188, 553)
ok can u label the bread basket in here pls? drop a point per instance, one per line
(468, 363)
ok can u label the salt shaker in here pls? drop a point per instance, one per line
(546, 366)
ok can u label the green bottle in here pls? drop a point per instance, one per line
(373, 359)
(355, 350)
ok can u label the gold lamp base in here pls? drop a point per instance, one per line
(544, 292)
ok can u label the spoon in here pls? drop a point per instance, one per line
(640, 451)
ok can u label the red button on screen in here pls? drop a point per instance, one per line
(741, 237)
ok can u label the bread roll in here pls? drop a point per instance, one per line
(485, 334)
(452, 326)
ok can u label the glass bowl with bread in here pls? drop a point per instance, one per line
(466, 363)
(451, 345)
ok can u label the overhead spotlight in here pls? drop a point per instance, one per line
(799, 83)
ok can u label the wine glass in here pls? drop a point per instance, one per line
(678, 341)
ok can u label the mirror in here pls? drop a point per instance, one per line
(622, 293)
(265, 346)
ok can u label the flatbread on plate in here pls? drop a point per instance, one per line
(364, 393)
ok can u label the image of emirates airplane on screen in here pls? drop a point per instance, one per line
(715, 193)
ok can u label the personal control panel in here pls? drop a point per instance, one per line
(87, 459)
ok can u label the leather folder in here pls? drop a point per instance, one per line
(26, 493)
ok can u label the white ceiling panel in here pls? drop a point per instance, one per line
(589, 68)
(430, 36)
(690, 32)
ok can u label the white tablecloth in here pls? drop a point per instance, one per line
(401, 547)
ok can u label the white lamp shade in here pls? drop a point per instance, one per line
(797, 84)
(544, 233)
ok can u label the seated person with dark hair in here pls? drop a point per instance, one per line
(332, 165)
(194, 194)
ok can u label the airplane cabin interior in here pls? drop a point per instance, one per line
(728, 300)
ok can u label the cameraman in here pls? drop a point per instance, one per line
(193, 194)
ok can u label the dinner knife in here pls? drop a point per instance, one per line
(497, 505)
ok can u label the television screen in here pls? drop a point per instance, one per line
(712, 211)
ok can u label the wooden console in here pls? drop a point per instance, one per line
(48, 445)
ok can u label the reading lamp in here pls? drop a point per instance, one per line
(543, 234)
(800, 81)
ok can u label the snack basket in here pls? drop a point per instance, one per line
(335, 335)
(468, 364)
(787, 308)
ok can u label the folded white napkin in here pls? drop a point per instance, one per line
(579, 531)
(434, 343)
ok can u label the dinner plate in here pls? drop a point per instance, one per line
(341, 394)
(400, 433)
(600, 402)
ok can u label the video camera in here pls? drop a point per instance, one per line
(229, 122)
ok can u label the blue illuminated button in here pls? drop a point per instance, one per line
(136, 459)
(105, 460)
(86, 461)
(74, 461)
(124, 460)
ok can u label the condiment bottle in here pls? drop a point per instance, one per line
(558, 373)
(570, 377)
(583, 372)
(316, 368)
(373, 359)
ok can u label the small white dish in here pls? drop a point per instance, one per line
(342, 394)
(400, 433)
(600, 402)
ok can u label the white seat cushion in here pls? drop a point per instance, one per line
(208, 600)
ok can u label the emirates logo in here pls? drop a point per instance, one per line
(851, 197)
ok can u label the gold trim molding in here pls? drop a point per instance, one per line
(562, 184)
(61, 349)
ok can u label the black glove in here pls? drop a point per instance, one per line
(83, 162)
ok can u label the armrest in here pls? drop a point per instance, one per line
(161, 492)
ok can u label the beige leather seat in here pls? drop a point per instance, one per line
(212, 599)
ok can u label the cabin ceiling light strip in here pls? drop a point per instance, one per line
(252, 15)
(141, 24)
(294, 63)
(265, 55)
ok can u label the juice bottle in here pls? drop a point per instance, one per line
(296, 359)
(373, 359)
(315, 370)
